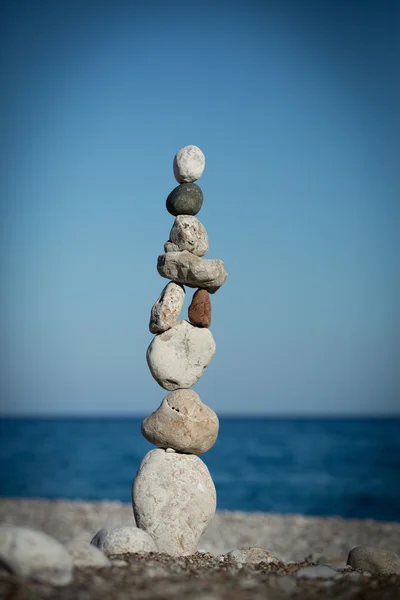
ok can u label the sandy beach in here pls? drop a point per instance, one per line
(295, 539)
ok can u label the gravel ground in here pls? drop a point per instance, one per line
(290, 537)
(205, 576)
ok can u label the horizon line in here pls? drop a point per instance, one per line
(290, 416)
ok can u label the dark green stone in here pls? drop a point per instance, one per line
(185, 199)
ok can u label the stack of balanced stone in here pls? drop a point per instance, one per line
(173, 494)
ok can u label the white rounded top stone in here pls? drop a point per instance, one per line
(189, 164)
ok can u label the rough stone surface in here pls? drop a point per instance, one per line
(188, 269)
(174, 500)
(170, 247)
(289, 536)
(86, 555)
(189, 164)
(253, 556)
(199, 312)
(375, 560)
(178, 357)
(182, 422)
(33, 554)
(318, 572)
(165, 311)
(123, 540)
(185, 199)
(189, 234)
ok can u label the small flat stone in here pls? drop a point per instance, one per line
(86, 555)
(35, 555)
(189, 234)
(318, 572)
(182, 422)
(174, 500)
(185, 199)
(375, 560)
(253, 555)
(199, 312)
(178, 357)
(165, 311)
(123, 540)
(189, 164)
(188, 269)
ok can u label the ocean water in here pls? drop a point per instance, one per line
(340, 467)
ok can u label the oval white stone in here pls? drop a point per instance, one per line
(123, 540)
(169, 503)
(178, 357)
(189, 164)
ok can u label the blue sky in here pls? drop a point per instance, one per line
(296, 107)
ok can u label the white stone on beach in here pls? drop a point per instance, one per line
(33, 554)
(189, 234)
(182, 422)
(85, 554)
(178, 357)
(165, 311)
(174, 500)
(375, 560)
(189, 163)
(188, 269)
(123, 540)
(253, 555)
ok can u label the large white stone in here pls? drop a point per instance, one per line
(123, 540)
(174, 500)
(33, 554)
(165, 311)
(189, 234)
(188, 269)
(189, 163)
(86, 555)
(178, 357)
(182, 422)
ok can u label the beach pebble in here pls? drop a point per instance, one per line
(189, 163)
(35, 555)
(178, 357)
(165, 311)
(188, 269)
(199, 312)
(85, 554)
(318, 572)
(185, 199)
(375, 560)
(174, 500)
(253, 555)
(182, 422)
(189, 234)
(123, 540)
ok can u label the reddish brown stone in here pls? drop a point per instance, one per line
(200, 309)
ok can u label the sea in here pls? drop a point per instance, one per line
(337, 467)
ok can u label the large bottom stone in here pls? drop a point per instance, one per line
(174, 500)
